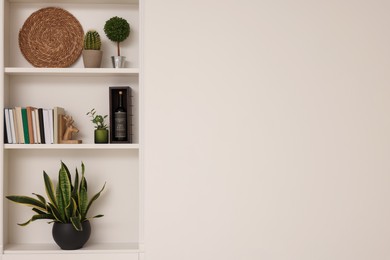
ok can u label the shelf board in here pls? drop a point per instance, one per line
(72, 71)
(78, 1)
(89, 248)
(73, 146)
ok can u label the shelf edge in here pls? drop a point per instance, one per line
(71, 146)
(71, 71)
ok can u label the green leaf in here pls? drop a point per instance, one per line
(64, 193)
(83, 201)
(63, 165)
(73, 208)
(83, 194)
(82, 175)
(39, 211)
(28, 201)
(49, 189)
(76, 181)
(75, 191)
(98, 216)
(56, 214)
(41, 198)
(76, 222)
(95, 197)
(36, 217)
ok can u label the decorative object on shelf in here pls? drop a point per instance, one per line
(67, 205)
(51, 37)
(92, 55)
(117, 30)
(101, 128)
(67, 127)
(120, 114)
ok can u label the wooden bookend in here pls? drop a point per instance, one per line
(65, 130)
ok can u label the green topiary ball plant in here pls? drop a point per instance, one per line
(117, 30)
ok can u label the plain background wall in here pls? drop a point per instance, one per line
(267, 129)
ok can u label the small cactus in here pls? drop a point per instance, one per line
(92, 40)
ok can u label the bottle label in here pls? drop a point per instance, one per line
(120, 125)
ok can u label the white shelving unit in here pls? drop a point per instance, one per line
(119, 233)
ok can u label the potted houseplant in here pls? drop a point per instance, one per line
(66, 205)
(92, 55)
(101, 128)
(117, 30)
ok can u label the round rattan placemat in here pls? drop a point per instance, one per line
(52, 38)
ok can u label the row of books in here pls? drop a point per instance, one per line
(30, 125)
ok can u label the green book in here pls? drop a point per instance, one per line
(25, 126)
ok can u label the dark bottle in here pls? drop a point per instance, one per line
(120, 120)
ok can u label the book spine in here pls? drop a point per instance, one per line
(15, 138)
(37, 126)
(41, 125)
(46, 125)
(19, 124)
(25, 126)
(34, 126)
(7, 126)
(57, 114)
(30, 125)
(51, 128)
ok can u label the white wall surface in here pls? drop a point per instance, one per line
(267, 129)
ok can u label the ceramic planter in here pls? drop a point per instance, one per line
(101, 136)
(92, 58)
(68, 238)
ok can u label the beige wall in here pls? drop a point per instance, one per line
(267, 129)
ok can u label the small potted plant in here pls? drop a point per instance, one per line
(117, 30)
(101, 128)
(66, 206)
(92, 55)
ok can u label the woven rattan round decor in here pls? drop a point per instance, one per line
(52, 38)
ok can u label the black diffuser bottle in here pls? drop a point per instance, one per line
(120, 120)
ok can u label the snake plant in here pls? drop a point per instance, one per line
(67, 202)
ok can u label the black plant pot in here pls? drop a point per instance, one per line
(69, 238)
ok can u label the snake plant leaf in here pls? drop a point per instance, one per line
(41, 198)
(36, 217)
(28, 201)
(75, 189)
(95, 197)
(73, 207)
(76, 222)
(83, 201)
(98, 216)
(39, 211)
(25, 223)
(63, 166)
(82, 168)
(82, 175)
(64, 193)
(56, 214)
(49, 189)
